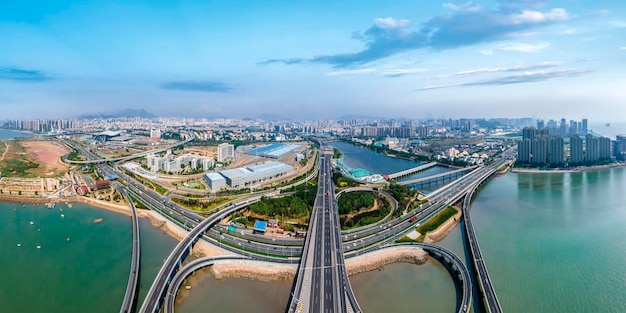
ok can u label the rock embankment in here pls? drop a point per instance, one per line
(444, 229)
(378, 260)
(254, 270)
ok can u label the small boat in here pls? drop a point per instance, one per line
(98, 220)
(68, 239)
(69, 205)
(188, 287)
(32, 223)
(62, 215)
(38, 247)
(19, 245)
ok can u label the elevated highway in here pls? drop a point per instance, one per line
(322, 283)
(488, 292)
(436, 177)
(130, 297)
(410, 171)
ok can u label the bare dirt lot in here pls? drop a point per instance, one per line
(47, 154)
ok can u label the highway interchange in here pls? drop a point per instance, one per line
(325, 270)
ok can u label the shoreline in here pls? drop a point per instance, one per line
(444, 229)
(573, 170)
(249, 270)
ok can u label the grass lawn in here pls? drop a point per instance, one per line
(437, 220)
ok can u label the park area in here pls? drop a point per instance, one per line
(32, 158)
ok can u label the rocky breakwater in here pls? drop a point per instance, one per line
(379, 259)
(256, 270)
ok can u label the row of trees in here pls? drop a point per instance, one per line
(289, 207)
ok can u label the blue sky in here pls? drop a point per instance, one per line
(317, 59)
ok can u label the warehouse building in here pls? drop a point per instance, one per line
(215, 181)
(243, 176)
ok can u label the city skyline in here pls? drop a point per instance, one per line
(318, 60)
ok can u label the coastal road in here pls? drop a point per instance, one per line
(130, 297)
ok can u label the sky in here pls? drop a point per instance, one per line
(314, 59)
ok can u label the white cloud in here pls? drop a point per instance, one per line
(622, 48)
(352, 72)
(466, 7)
(536, 17)
(403, 71)
(486, 51)
(570, 31)
(523, 47)
(618, 24)
(390, 23)
(516, 68)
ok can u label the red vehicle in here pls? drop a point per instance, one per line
(413, 219)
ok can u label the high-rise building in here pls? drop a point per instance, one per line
(528, 133)
(604, 149)
(592, 148)
(539, 150)
(542, 132)
(585, 130)
(155, 133)
(557, 150)
(524, 150)
(576, 155)
(563, 128)
(225, 152)
(541, 124)
(619, 147)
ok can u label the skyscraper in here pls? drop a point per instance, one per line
(576, 150)
(592, 148)
(539, 151)
(225, 152)
(585, 130)
(528, 133)
(556, 153)
(604, 150)
(619, 147)
(524, 150)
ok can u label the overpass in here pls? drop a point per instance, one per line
(127, 158)
(455, 267)
(437, 177)
(322, 283)
(130, 297)
(410, 171)
(484, 281)
(177, 281)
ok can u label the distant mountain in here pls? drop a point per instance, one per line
(357, 116)
(273, 117)
(122, 113)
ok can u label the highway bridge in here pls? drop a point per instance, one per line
(410, 171)
(130, 297)
(436, 177)
(488, 292)
(177, 281)
(375, 237)
(455, 266)
(322, 283)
